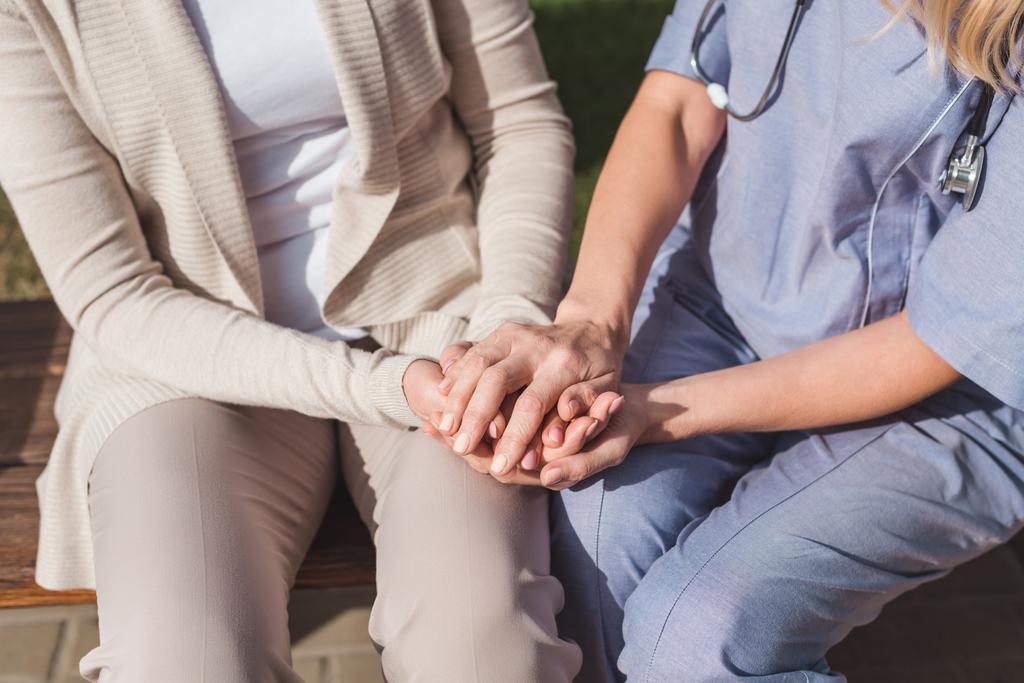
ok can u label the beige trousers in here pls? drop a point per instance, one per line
(201, 516)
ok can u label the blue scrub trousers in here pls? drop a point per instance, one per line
(745, 557)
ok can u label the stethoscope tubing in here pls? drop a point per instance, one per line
(780, 63)
(964, 170)
(974, 131)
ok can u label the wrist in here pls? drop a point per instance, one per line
(669, 412)
(420, 377)
(613, 322)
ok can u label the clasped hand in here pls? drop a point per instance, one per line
(534, 405)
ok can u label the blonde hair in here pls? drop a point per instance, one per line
(979, 38)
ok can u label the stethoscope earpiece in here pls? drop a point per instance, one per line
(716, 91)
(718, 95)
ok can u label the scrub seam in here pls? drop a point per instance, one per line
(980, 349)
(910, 261)
(202, 536)
(597, 566)
(885, 184)
(744, 527)
(469, 557)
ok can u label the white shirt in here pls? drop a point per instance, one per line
(291, 139)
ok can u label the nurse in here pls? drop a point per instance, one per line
(824, 376)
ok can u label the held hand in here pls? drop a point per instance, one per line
(420, 386)
(575, 360)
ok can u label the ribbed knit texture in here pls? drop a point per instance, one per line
(115, 153)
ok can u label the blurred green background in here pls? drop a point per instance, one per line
(595, 49)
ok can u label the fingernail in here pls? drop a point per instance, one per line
(492, 429)
(590, 430)
(499, 464)
(447, 420)
(531, 459)
(556, 434)
(448, 364)
(552, 477)
(462, 443)
(574, 407)
(617, 405)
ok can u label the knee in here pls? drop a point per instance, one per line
(606, 533)
(467, 594)
(730, 621)
(602, 523)
(477, 633)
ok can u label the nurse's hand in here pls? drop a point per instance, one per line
(420, 384)
(544, 361)
(628, 426)
(557, 438)
(480, 460)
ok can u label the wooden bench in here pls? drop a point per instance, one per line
(34, 343)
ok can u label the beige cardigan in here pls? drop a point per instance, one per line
(115, 153)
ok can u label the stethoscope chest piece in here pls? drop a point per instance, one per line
(964, 172)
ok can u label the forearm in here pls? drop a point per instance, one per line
(860, 375)
(657, 157)
(149, 329)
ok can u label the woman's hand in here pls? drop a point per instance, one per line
(420, 386)
(577, 361)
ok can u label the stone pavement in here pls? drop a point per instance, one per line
(965, 628)
(330, 645)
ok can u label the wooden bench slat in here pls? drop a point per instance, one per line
(19, 524)
(27, 424)
(34, 342)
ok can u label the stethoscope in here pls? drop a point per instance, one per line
(966, 165)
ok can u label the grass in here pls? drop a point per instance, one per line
(19, 277)
(595, 49)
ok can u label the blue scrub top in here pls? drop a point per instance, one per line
(825, 213)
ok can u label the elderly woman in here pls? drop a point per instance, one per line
(262, 220)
